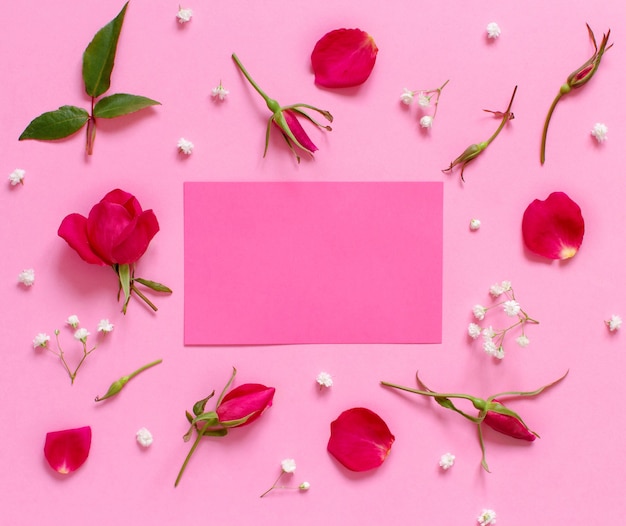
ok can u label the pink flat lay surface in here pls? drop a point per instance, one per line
(272, 263)
(573, 474)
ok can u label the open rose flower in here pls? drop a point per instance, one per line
(67, 450)
(491, 411)
(116, 233)
(360, 439)
(286, 119)
(343, 58)
(553, 228)
(237, 408)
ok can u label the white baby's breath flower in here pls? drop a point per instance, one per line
(600, 131)
(185, 146)
(506, 286)
(407, 96)
(288, 465)
(499, 354)
(493, 30)
(304, 486)
(490, 348)
(219, 92)
(614, 323)
(474, 224)
(184, 14)
(144, 437)
(479, 312)
(473, 330)
(104, 325)
(496, 290)
(511, 308)
(73, 321)
(27, 277)
(487, 517)
(488, 333)
(426, 121)
(447, 461)
(324, 379)
(17, 177)
(41, 340)
(81, 334)
(522, 340)
(423, 100)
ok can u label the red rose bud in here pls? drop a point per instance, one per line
(67, 450)
(508, 424)
(359, 439)
(575, 80)
(117, 232)
(285, 118)
(343, 58)
(244, 404)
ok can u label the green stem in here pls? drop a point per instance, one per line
(544, 135)
(505, 119)
(433, 394)
(142, 369)
(270, 102)
(188, 458)
(273, 485)
(85, 354)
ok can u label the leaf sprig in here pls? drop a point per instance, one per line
(98, 62)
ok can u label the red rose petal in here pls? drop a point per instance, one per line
(553, 228)
(74, 230)
(508, 425)
(360, 439)
(343, 58)
(67, 450)
(247, 399)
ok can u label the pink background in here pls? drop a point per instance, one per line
(573, 475)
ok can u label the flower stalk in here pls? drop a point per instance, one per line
(118, 385)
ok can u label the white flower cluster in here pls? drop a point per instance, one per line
(27, 277)
(144, 437)
(487, 517)
(324, 379)
(493, 30)
(446, 461)
(424, 100)
(600, 131)
(493, 339)
(185, 146)
(219, 92)
(17, 177)
(184, 15)
(287, 466)
(614, 323)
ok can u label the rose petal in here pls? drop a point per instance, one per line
(128, 201)
(298, 131)
(74, 230)
(508, 425)
(359, 439)
(67, 450)
(245, 400)
(105, 224)
(343, 58)
(134, 240)
(553, 228)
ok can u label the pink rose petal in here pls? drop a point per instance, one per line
(553, 228)
(343, 58)
(67, 450)
(360, 439)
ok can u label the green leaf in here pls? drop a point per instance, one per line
(56, 124)
(123, 272)
(99, 57)
(153, 284)
(121, 104)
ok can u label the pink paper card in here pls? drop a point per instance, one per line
(328, 262)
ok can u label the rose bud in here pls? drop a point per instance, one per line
(507, 424)
(244, 404)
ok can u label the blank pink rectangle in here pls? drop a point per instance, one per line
(329, 262)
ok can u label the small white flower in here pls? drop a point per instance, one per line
(511, 307)
(185, 146)
(423, 100)
(104, 325)
(599, 131)
(473, 330)
(27, 277)
(499, 353)
(506, 286)
(488, 333)
(496, 290)
(81, 334)
(479, 312)
(219, 92)
(184, 15)
(288, 465)
(490, 348)
(73, 321)
(614, 323)
(144, 437)
(487, 517)
(41, 340)
(522, 340)
(447, 461)
(17, 177)
(474, 224)
(426, 121)
(493, 30)
(407, 96)
(324, 379)
(304, 486)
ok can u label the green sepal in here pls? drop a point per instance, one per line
(238, 422)
(123, 271)
(228, 384)
(99, 57)
(210, 419)
(189, 417)
(198, 407)
(114, 389)
(483, 461)
(56, 124)
(158, 287)
(216, 433)
(121, 104)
